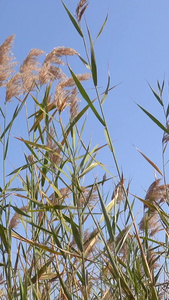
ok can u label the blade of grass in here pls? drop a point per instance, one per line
(156, 95)
(86, 97)
(149, 161)
(154, 119)
(78, 29)
(93, 59)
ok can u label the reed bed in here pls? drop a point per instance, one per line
(63, 238)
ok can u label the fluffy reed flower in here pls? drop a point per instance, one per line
(61, 51)
(88, 196)
(16, 218)
(6, 57)
(90, 240)
(70, 81)
(50, 72)
(157, 193)
(63, 97)
(53, 56)
(54, 154)
(82, 5)
(14, 87)
(124, 241)
(118, 192)
(73, 99)
(125, 244)
(65, 192)
(152, 261)
(29, 69)
(150, 222)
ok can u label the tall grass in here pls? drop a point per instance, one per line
(62, 235)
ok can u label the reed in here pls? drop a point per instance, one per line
(63, 236)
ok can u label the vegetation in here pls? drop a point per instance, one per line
(62, 236)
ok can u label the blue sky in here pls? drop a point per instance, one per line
(134, 47)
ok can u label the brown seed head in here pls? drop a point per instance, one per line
(29, 68)
(64, 97)
(150, 222)
(54, 155)
(82, 5)
(6, 57)
(118, 192)
(157, 193)
(50, 72)
(73, 99)
(16, 218)
(14, 87)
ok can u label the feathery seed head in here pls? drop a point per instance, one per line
(157, 193)
(29, 68)
(65, 192)
(16, 218)
(50, 72)
(14, 87)
(82, 5)
(63, 97)
(118, 192)
(6, 57)
(150, 222)
(63, 51)
(73, 99)
(54, 154)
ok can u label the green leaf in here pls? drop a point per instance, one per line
(107, 90)
(76, 234)
(86, 97)
(88, 169)
(20, 211)
(154, 120)
(3, 237)
(42, 270)
(93, 60)
(85, 62)
(106, 216)
(105, 21)
(15, 114)
(73, 20)
(156, 95)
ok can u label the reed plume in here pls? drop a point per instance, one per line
(29, 69)
(64, 95)
(14, 86)
(16, 218)
(82, 5)
(6, 57)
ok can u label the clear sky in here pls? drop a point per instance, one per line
(134, 46)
